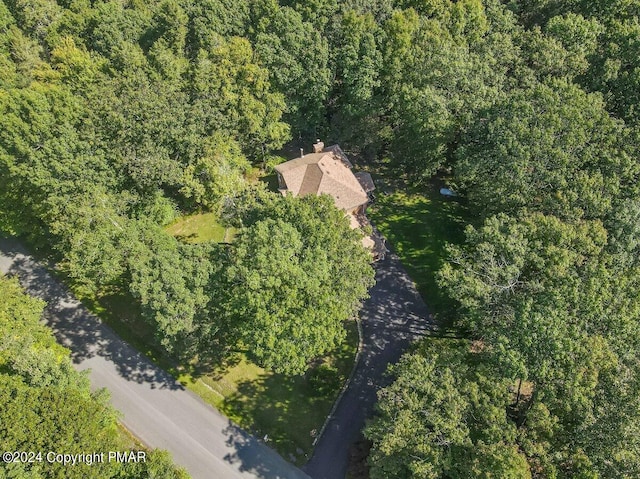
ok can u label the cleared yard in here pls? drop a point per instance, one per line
(199, 228)
(286, 411)
(418, 223)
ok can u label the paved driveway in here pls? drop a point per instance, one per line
(392, 318)
(156, 408)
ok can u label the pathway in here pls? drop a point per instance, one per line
(392, 319)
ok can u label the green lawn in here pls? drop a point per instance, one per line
(289, 410)
(417, 224)
(200, 227)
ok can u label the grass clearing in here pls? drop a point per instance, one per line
(418, 223)
(289, 410)
(199, 228)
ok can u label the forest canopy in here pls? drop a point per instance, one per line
(118, 116)
(544, 147)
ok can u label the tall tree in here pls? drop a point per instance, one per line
(552, 313)
(231, 92)
(296, 56)
(440, 69)
(551, 148)
(356, 62)
(444, 418)
(170, 280)
(295, 274)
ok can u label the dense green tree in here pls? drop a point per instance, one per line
(35, 16)
(111, 27)
(212, 20)
(217, 174)
(552, 314)
(76, 66)
(295, 274)
(550, 148)
(48, 406)
(141, 130)
(578, 35)
(44, 158)
(541, 10)
(316, 12)
(444, 418)
(624, 230)
(169, 27)
(296, 56)
(53, 419)
(357, 61)
(613, 63)
(170, 280)
(438, 74)
(616, 71)
(232, 93)
(521, 288)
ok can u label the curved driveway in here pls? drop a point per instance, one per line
(392, 319)
(155, 408)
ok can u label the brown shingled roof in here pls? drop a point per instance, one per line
(327, 172)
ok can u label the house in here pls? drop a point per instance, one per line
(328, 171)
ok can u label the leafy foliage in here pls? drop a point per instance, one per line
(295, 274)
(553, 149)
(442, 417)
(544, 149)
(171, 282)
(116, 116)
(47, 405)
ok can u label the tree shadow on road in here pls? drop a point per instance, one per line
(393, 319)
(251, 455)
(76, 328)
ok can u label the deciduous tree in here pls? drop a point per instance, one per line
(295, 274)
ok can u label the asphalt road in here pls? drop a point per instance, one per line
(392, 319)
(156, 409)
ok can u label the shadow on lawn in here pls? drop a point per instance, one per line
(418, 225)
(292, 409)
(289, 408)
(187, 238)
(214, 367)
(249, 454)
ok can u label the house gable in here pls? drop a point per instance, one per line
(324, 172)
